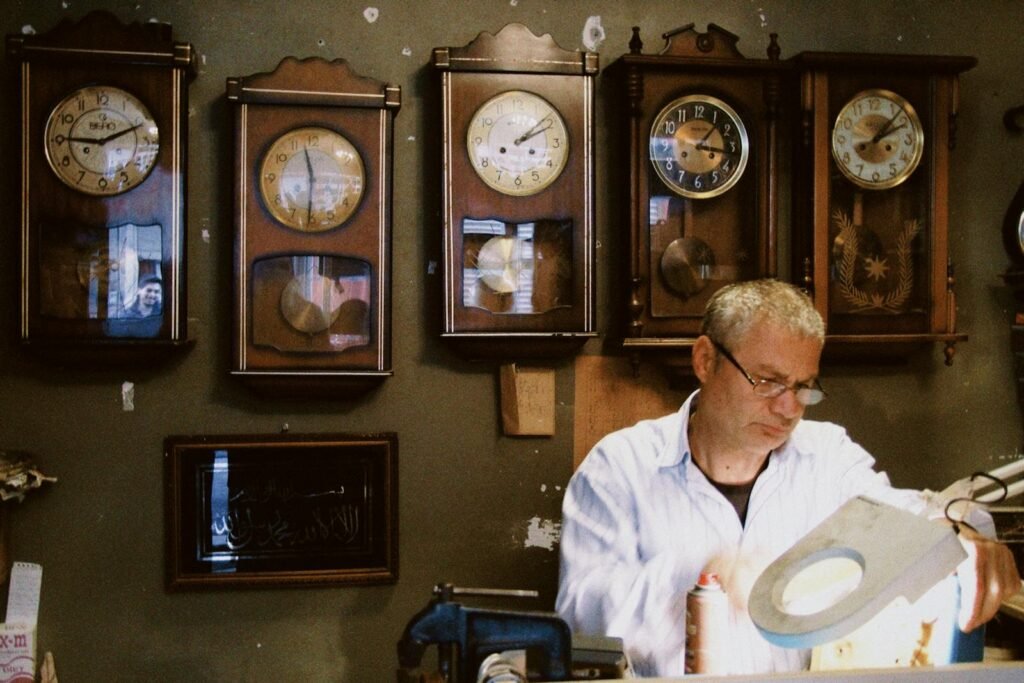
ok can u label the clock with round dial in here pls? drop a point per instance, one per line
(312, 179)
(877, 139)
(699, 146)
(101, 140)
(517, 143)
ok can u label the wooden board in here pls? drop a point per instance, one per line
(609, 396)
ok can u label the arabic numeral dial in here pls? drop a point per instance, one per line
(877, 139)
(699, 146)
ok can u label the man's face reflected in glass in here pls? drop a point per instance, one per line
(151, 295)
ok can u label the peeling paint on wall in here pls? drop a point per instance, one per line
(593, 33)
(127, 397)
(542, 533)
(371, 14)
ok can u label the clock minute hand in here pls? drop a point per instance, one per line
(112, 136)
(536, 129)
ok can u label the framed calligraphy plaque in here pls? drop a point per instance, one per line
(282, 509)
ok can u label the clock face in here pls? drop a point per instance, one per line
(518, 143)
(101, 140)
(311, 179)
(699, 146)
(877, 139)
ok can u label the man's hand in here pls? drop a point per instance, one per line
(987, 577)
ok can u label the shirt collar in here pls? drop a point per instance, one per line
(677, 445)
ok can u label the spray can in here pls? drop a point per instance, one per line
(707, 619)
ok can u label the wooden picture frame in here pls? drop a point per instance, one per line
(281, 509)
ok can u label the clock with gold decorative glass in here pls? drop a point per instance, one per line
(104, 109)
(700, 146)
(312, 304)
(517, 195)
(871, 198)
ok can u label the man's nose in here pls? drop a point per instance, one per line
(787, 405)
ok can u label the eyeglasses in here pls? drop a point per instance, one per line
(769, 388)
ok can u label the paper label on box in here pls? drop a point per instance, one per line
(17, 653)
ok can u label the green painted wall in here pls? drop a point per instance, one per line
(468, 495)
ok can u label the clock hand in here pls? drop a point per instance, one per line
(535, 130)
(706, 136)
(118, 134)
(104, 140)
(884, 130)
(708, 148)
(309, 173)
(71, 138)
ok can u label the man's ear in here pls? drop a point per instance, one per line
(703, 357)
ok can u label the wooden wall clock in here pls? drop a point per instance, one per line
(871, 185)
(313, 151)
(518, 195)
(103, 162)
(701, 128)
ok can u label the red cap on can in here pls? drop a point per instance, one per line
(708, 579)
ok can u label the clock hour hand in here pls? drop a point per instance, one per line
(537, 129)
(708, 148)
(104, 139)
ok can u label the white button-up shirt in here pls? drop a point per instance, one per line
(640, 521)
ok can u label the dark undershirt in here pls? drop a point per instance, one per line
(739, 494)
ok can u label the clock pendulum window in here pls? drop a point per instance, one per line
(871, 198)
(103, 176)
(313, 162)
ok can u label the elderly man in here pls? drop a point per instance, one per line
(726, 484)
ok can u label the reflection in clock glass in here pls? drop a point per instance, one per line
(511, 268)
(311, 302)
(506, 147)
(320, 190)
(312, 179)
(107, 274)
(101, 140)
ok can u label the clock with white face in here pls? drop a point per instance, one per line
(517, 143)
(101, 140)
